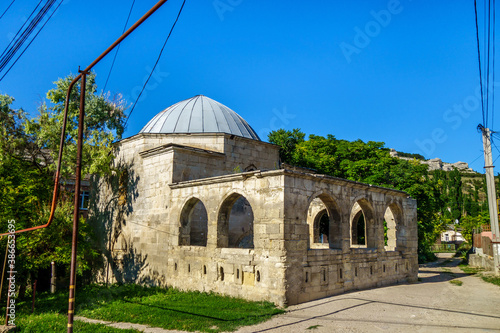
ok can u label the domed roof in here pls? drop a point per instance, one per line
(199, 114)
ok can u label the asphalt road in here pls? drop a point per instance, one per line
(431, 305)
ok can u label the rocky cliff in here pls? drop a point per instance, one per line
(437, 163)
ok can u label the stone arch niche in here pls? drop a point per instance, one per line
(194, 223)
(235, 223)
(362, 222)
(323, 218)
(393, 217)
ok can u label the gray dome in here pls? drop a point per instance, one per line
(199, 114)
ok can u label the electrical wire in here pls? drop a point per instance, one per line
(5, 11)
(494, 145)
(118, 47)
(479, 61)
(13, 40)
(25, 34)
(482, 155)
(488, 61)
(493, 73)
(20, 29)
(40, 30)
(156, 63)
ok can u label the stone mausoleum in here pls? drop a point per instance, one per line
(199, 202)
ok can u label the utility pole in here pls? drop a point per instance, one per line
(490, 183)
(76, 212)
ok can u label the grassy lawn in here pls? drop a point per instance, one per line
(56, 322)
(157, 307)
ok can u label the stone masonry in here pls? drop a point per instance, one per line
(217, 212)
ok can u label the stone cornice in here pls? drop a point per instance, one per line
(286, 172)
(170, 147)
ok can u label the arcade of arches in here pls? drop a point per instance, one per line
(218, 212)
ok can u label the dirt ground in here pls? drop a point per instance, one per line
(431, 305)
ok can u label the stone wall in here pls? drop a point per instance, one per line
(318, 272)
(167, 196)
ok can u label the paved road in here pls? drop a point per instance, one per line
(431, 305)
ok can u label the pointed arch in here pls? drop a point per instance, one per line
(362, 224)
(324, 220)
(393, 226)
(193, 223)
(235, 222)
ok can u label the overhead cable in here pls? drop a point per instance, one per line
(5, 11)
(156, 63)
(30, 30)
(118, 47)
(479, 62)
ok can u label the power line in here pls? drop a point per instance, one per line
(8, 70)
(487, 40)
(493, 67)
(482, 154)
(20, 29)
(494, 145)
(156, 63)
(479, 61)
(118, 47)
(5, 11)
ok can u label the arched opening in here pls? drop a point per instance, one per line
(358, 229)
(321, 227)
(235, 223)
(324, 222)
(363, 229)
(392, 221)
(194, 224)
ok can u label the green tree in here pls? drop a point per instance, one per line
(287, 140)
(28, 149)
(455, 194)
(371, 163)
(469, 223)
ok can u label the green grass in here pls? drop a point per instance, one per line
(469, 270)
(491, 279)
(56, 322)
(456, 282)
(313, 327)
(475, 270)
(157, 307)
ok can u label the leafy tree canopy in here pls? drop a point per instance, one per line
(28, 151)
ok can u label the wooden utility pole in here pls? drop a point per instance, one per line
(490, 183)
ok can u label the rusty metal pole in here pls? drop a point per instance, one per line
(52, 277)
(34, 293)
(66, 106)
(76, 212)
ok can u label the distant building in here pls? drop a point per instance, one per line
(452, 236)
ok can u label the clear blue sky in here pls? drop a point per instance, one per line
(402, 72)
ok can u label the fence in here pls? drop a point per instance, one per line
(444, 248)
(480, 240)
